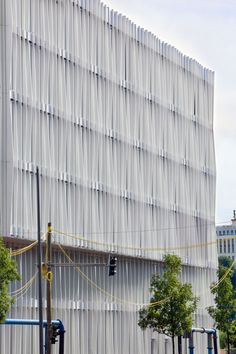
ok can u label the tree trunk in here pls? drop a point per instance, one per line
(173, 344)
(228, 342)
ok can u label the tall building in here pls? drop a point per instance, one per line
(226, 235)
(120, 125)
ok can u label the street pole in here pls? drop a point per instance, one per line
(39, 267)
(49, 288)
(166, 345)
(191, 343)
(152, 345)
(209, 343)
(179, 344)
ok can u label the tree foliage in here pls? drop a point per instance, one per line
(172, 303)
(225, 304)
(8, 273)
(230, 336)
(226, 262)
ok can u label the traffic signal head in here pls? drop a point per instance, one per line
(54, 334)
(112, 266)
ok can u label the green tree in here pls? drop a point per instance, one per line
(8, 273)
(224, 337)
(225, 305)
(172, 303)
(226, 262)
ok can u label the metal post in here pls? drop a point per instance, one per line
(179, 345)
(61, 340)
(152, 345)
(45, 338)
(215, 342)
(166, 345)
(23, 322)
(49, 289)
(209, 343)
(39, 267)
(191, 345)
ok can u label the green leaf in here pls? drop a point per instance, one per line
(173, 316)
(8, 273)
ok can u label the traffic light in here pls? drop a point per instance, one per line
(54, 334)
(112, 266)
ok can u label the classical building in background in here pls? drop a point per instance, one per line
(120, 125)
(226, 235)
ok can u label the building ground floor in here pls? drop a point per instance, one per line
(100, 313)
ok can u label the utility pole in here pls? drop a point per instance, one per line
(39, 267)
(179, 344)
(152, 345)
(49, 288)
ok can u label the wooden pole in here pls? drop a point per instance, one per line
(49, 288)
(39, 267)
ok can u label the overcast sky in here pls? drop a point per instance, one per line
(206, 31)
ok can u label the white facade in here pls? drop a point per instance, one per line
(226, 235)
(121, 127)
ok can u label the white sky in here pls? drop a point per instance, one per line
(206, 31)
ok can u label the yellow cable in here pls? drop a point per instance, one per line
(124, 301)
(224, 276)
(48, 275)
(92, 283)
(23, 291)
(51, 298)
(25, 285)
(46, 250)
(153, 229)
(175, 248)
(23, 250)
(77, 237)
(26, 248)
(103, 290)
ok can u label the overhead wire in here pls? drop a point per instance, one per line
(17, 294)
(21, 291)
(93, 284)
(22, 250)
(14, 292)
(76, 236)
(151, 230)
(224, 276)
(149, 249)
(216, 284)
(221, 223)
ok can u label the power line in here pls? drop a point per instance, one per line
(22, 250)
(93, 284)
(125, 232)
(151, 249)
(224, 276)
(18, 291)
(17, 294)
